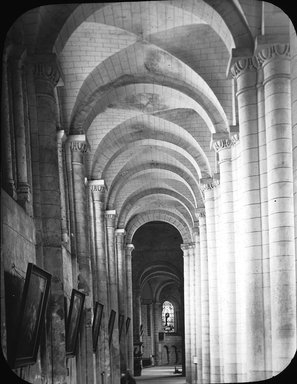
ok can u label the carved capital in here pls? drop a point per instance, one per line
(270, 52)
(77, 143)
(110, 218)
(78, 146)
(222, 144)
(46, 68)
(207, 186)
(243, 65)
(200, 213)
(97, 185)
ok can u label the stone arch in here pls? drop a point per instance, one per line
(138, 195)
(140, 128)
(160, 215)
(122, 179)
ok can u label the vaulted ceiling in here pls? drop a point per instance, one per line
(146, 83)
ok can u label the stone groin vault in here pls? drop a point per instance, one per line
(120, 119)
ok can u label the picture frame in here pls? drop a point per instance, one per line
(111, 324)
(74, 319)
(127, 324)
(98, 312)
(31, 317)
(121, 323)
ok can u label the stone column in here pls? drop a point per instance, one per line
(23, 187)
(187, 307)
(122, 293)
(264, 223)
(275, 61)
(78, 147)
(46, 76)
(197, 280)
(98, 189)
(226, 259)
(207, 186)
(245, 72)
(217, 216)
(61, 137)
(130, 362)
(192, 313)
(113, 289)
(293, 46)
(204, 297)
(157, 315)
(137, 314)
(6, 116)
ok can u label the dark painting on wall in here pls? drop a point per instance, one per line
(98, 312)
(121, 323)
(111, 324)
(74, 321)
(31, 316)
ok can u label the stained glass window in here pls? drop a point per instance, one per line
(168, 316)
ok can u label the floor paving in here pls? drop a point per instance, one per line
(160, 375)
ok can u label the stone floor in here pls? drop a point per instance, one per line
(160, 375)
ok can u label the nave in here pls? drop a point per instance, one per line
(149, 191)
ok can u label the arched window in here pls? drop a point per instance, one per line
(168, 316)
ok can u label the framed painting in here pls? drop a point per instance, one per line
(31, 316)
(74, 321)
(128, 324)
(111, 324)
(121, 323)
(98, 312)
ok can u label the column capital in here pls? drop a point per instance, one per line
(110, 216)
(200, 213)
(268, 51)
(236, 55)
(242, 65)
(46, 67)
(185, 247)
(97, 185)
(120, 233)
(129, 248)
(77, 143)
(222, 144)
(206, 184)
